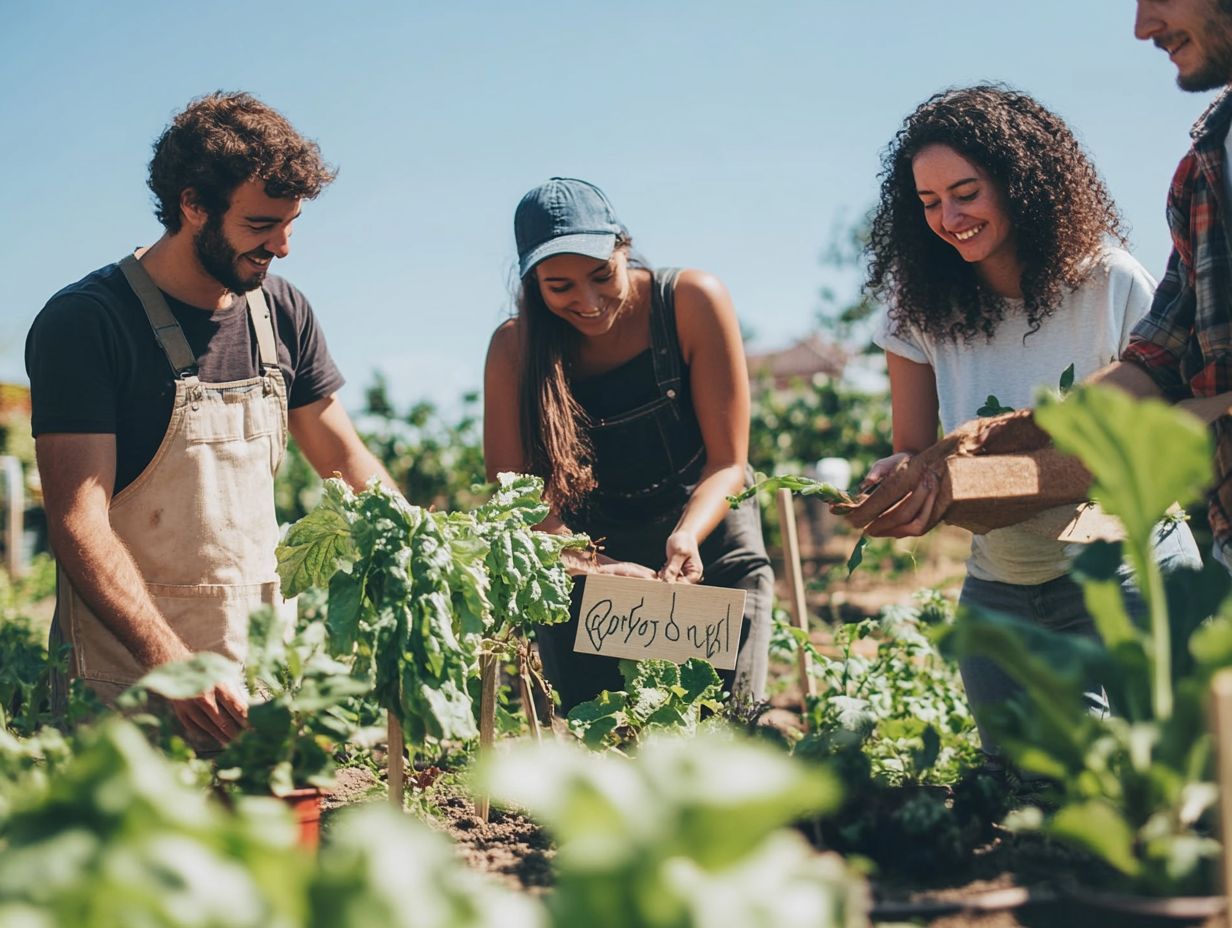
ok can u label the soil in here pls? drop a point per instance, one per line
(508, 847)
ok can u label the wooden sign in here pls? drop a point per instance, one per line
(640, 619)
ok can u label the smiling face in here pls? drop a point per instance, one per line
(963, 206)
(237, 247)
(1196, 34)
(587, 293)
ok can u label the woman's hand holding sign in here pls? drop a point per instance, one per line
(684, 562)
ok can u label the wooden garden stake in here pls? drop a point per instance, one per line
(397, 747)
(489, 666)
(527, 691)
(1221, 725)
(795, 582)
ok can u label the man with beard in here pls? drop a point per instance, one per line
(1182, 349)
(162, 389)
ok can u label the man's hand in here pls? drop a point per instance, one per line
(217, 715)
(684, 562)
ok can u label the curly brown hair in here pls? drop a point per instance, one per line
(222, 140)
(1057, 204)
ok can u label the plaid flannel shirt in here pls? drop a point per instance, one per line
(1185, 342)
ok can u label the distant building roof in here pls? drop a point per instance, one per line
(809, 356)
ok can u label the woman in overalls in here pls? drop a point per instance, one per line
(626, 389)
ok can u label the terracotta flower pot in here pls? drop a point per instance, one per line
(305, 804)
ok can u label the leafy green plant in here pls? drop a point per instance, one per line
(296, 719)
(892, 718)
(887, 692)
(413, 593)
(25, 667)
(658, 695)
(112, 837)
(1134, 790)
(26, 763)
(108, 833)
(688, 834)
(992, 406)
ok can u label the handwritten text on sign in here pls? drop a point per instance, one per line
(638, 619)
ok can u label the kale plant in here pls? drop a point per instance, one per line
(658, 695)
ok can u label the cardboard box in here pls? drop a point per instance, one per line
(984, 492)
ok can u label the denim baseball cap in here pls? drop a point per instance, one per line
(564, 216)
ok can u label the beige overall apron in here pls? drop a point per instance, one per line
(199, 520)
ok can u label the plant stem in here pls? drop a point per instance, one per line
(488, 667)
(528, 699)
(1150, 582)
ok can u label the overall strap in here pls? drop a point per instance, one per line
(665, 345)
(167, 331)
(263, 325)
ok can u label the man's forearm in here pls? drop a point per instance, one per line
(105, 576)
(1128, 377)
(1208, 408)
(359, 466)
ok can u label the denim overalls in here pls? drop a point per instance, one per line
(649, 456)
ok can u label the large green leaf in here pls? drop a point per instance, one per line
(1143, 455)
(1101, 829)
(803, 486)
(318, 544)
(191, 677)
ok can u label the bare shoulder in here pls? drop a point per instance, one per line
(700, 292)
(704, 311)
(505, 347)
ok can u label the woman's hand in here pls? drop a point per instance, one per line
(684, 562)
(881, 469)
(591, 562)
(625, 569)
(912, 514)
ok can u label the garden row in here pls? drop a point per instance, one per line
(681, 820)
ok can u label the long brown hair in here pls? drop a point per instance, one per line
(552, 422)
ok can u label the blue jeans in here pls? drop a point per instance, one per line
(1058, 606)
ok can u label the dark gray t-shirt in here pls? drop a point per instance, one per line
(94, 365)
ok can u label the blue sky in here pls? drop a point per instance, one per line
(733, 137)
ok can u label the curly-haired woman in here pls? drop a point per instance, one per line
(999, 253)
(626, 389)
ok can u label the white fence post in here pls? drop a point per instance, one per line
(13, 488)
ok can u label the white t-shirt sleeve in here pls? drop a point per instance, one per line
(1139, 287)
(903, 344)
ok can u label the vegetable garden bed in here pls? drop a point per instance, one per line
(666, 805)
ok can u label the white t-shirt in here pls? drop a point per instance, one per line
(1088, 329)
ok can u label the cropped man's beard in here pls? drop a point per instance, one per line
(220, 260)
(1216, 69)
